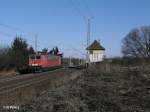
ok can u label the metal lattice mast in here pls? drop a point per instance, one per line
(88, 38)
(36, 43)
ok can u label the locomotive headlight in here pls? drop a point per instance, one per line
(33, 64)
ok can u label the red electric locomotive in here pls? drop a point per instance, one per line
(44, 61)
(41, 61)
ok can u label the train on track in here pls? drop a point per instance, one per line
(44, 61)
(41, 62)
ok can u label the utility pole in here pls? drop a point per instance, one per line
(88, 32)
(36, 43)
(88, 38)
(70, 62)
(79, 61)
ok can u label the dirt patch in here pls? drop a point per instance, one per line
(8, 73)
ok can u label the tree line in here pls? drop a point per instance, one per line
(16, 55)
(136, 43)
(135, 47)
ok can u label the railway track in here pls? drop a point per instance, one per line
(25, 76)
(23, 89)
(10, 84)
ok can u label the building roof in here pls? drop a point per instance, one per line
(95, 46)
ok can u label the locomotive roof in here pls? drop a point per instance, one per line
(43, 54)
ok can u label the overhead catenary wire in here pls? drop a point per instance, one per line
(87, 19)
(90, 14)
(76, 8)
(11, 27)
(14, 28)
(84, 15)
(22, 33)
(13, 35)
(6, 34)
(71, 48)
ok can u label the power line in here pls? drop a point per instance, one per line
(75, 49)
(33, 41)
(22, 32)
(10, 27)
(6, 34)
(76, 8)
(88, 8)
(16, 29)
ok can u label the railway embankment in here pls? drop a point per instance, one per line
(7, 73)
(98, 90)
(23, 89)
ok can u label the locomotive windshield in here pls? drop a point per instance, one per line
(34, 57)
(38, 57)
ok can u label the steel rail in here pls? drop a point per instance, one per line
(44, 76)
(26, 76)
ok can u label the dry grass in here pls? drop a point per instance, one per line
(6, 73)
(98, 90)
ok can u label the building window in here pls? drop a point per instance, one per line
(91, 52)
(95, 56)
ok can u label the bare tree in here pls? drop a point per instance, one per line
(137, 43)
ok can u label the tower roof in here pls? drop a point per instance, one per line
(95, 46)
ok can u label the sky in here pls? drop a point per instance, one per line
(63, 23)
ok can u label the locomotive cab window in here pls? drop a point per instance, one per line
(32, 57)
(38, 57)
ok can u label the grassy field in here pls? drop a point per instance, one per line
(100, 88)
